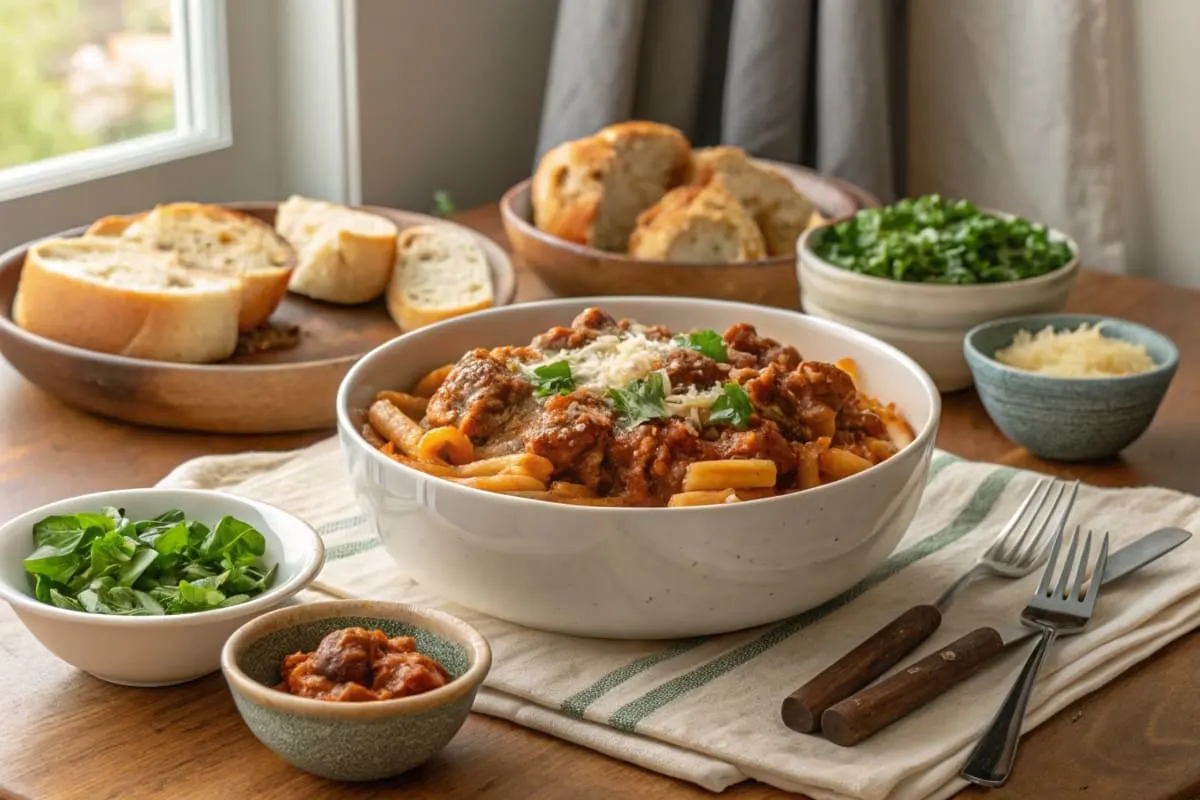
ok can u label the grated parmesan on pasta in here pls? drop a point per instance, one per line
(1081, 353)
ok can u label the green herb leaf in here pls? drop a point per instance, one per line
(930, 239)
(443, 204)
(640, 400)
(553, 378)
(733, 407)
(108, 564)
(706, 342)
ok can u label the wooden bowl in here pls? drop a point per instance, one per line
(575, 270)
(280, 391)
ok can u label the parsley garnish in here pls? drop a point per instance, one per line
(930, 239)
(443, 204)
(732, 407)
(707, 343)
(552, 378)
(641, 400)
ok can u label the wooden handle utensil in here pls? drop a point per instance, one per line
(862, 715)
(802, 709)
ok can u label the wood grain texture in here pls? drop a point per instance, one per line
(279, 391)
(882, 650)
(67, 735)
(864, 714)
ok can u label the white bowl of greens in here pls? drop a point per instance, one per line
(921, 272)
(142, 587)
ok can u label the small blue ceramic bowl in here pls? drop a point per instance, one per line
(353, 741)
(1069, 419)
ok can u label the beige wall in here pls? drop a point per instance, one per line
(449, 96)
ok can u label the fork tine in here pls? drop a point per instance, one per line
(1081, 572)
(1097, 574)
(1036, 548)
(1068, 565)
(1040, 491)
(1048, 572)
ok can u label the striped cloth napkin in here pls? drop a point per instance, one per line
(706, 710)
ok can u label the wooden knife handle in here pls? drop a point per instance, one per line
(802, 709)
(858, 717)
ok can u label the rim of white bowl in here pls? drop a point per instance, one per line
(465, 635)
(273, 596)
(807, 258)
(348, 428)
(1170, 365)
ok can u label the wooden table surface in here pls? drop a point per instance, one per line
(64, 734)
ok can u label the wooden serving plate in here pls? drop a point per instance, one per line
(574, 270)
(279, 391)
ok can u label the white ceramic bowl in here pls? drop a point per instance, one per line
(926, 321)
(638, 572)
(156, 651)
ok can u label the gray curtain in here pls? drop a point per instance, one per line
(1006, 102)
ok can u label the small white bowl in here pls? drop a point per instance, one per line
(156, 651)
(924, 320)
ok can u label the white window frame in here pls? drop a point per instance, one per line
(202, 113)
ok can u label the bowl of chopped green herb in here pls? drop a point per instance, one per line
(921, 272)
(142, 587)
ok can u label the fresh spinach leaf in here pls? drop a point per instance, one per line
(640, 400)
(108, 564)
(733, 407)
(706, 342)
(552, 378)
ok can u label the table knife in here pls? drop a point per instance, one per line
(863, 714)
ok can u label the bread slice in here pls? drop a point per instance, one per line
(590, 191)
(113, 225)
(697, 225)
(114, 296)
(780, 210)
(220, 241)
(440, 273)
(345, 255)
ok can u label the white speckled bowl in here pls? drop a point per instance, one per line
(353, 741)
(638, 572)
(926, 321)
(156, 651)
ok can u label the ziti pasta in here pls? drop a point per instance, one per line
(615, 413)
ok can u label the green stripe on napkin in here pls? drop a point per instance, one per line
(986, 495)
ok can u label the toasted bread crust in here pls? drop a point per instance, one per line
(697, 224)
(409, 315)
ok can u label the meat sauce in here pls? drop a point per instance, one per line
(354, 665)
(489, 395)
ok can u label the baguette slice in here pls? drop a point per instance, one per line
(440, 273)
(218, 241)
(114, 296)
(697, 225)
(780, 210)
(591, 190)
(345, 255)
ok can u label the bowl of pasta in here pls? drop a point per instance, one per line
(638, 467)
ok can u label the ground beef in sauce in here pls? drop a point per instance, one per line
(478, 396)
(585, 328)
(686, 368)
(649, 461)
(803, 402)
(572, 431)
(762, 441)
(356, 665)
(747, 349)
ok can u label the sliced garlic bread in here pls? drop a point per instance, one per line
(115, 296)
(780, 210)
(344, 255)
(697, 225)
(591, 190)
(220, 241)
(440, 273)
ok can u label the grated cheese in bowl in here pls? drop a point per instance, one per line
(1081, 353)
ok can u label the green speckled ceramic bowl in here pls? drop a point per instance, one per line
(353, 741)
(1069, 419)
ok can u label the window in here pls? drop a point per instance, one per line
(97, 87)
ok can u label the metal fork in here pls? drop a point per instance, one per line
(1055, 610)
(1019, 548)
